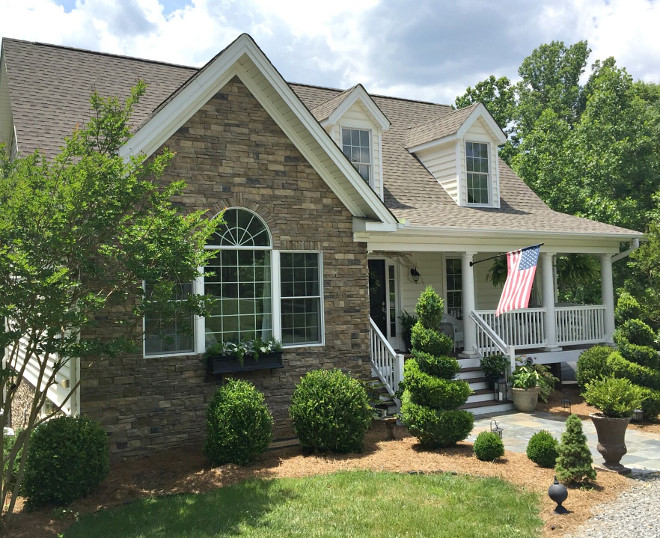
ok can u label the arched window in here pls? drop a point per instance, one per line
(239, 276)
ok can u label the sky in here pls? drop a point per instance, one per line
(421, 49)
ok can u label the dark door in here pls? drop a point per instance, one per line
(378, 295)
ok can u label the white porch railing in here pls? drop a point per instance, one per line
(386, 363)
(525, 329)
(488, 341)
(522, 329)
(580, 324)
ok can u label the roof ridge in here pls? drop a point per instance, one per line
(98, 53)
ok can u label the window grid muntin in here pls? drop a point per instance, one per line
(241, 228)
(391, 289)
(476, 162)
(356, 145)
(454, 275)
(300, 300)
(175, 337)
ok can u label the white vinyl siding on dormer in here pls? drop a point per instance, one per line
(441, 162)
(356, 118)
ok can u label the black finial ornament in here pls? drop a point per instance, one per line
(558, 493)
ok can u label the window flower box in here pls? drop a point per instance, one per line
(243, 356)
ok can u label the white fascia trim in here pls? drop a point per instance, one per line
(481, 112)
(434, 231)
(358, 94)
(362, 225)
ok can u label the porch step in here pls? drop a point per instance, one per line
(485, 408)
(482, 400)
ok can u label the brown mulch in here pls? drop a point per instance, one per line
(185, 471)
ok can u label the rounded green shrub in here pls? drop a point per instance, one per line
(642, 355)
(67, 459)
(627, 308)
(592, 364)
(542, 449)
(430, 341)
(330, 411)
(441, 366)
(434, 428)
(638, 374)
(615, 397)
(488, 446)
(635, 331)
(650, 403)
(239, 425)
(432, 391)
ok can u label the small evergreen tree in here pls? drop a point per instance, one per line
(432, 397)
(574, 463)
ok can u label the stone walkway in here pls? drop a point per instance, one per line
(643, 448)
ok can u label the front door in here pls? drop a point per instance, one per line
(383, 299)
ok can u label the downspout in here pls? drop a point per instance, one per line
(634, 245)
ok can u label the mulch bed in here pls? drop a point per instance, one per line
(185, 471)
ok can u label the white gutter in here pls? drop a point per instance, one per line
(634, 245)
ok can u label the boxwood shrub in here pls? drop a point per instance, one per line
(592, 364)
(488, 446)
(239, 426)
(434, 428)
(430, 341)
(67, 459)
(638, 374)
(441, 366)
(627, 308)
(643, 355)
(635, 331)
(330, 411)
(542, 449)
(650, 403)
(434, 391)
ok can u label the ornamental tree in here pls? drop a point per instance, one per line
(80, 233)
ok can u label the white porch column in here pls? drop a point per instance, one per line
(549, 320)
(469, 328)
(607, 293)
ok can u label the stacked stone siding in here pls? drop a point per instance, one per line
(232, 154)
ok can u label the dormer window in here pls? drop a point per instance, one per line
(356, 145)
(476, 162)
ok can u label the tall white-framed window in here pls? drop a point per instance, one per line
(239, 276)
(478, 175)
(356, 145)
(301, 297)
(171, 336)
(454, 276)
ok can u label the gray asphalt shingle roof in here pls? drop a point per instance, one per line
(50, 86)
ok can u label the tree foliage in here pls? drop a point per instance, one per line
(79, 233)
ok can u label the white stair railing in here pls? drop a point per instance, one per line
(386, 363)
(489, 342)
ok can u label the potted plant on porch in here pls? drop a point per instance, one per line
(616, 398)
(247, 355)
(530, 382)
(494, 367)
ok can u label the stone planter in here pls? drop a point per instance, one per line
(525, 400)
(611, 440)
(222, 364)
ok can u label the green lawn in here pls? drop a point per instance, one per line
(356, 503)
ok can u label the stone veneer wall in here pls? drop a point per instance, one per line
(231, 153)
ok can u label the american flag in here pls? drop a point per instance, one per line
(521, 265)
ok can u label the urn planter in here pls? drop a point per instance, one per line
(525, 400)
(611, 440)
(225, 364)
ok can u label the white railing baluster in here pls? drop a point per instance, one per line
(387, 363)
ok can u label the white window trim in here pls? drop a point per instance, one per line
(490, 173)
(371, 147)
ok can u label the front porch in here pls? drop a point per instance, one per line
(549, 331)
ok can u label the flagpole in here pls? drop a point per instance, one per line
(500, 255)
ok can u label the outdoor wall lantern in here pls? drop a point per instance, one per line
(494, 428)
(499, 387)
(638, 415)
(566, 403)
(414, 273)
(558, 493)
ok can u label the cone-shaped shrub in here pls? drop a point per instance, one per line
(574, 463)
(627, 308)
(431, 399)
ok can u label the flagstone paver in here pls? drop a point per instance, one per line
(643, 454)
